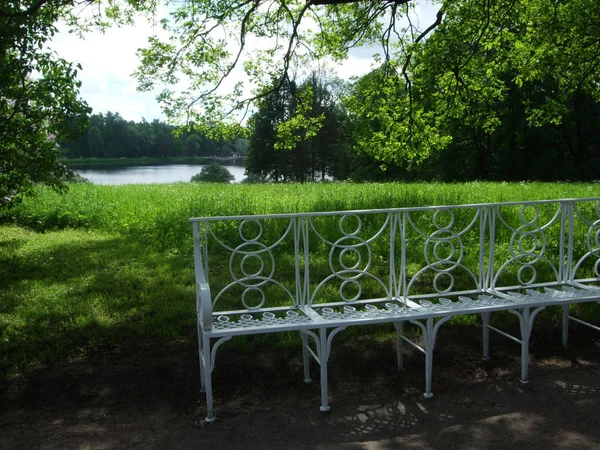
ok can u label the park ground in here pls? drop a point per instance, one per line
(150, 399)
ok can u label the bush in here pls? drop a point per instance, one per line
(214, 173)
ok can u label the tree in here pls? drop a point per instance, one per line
(213, 173)
(302, 133)
(437, 71)
(274, 109)
(435, 74)
(193, 143)
(95, 141)
(486, 78)
(39, 98)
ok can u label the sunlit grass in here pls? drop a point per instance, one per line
(160, 212)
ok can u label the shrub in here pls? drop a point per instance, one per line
(214, 173)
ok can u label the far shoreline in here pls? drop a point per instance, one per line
(106, 163)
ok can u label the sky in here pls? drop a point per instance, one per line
(109, 59)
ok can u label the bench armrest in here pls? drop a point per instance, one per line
(204, 306)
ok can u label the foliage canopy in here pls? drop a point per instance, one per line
(39, 98)
(216, 60)
(427, 74)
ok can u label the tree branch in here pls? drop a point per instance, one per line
(438, 20)
(36, 6)
(342, 2)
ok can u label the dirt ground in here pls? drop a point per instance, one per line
(152, 400)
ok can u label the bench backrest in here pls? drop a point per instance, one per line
(352, 256)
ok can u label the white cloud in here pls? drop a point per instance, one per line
(108, 61)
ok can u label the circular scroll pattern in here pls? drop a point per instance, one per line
(347, 249)
(261, 296)
(523, 241)
(437, 216)
(245, 228)
(521, 273)
(344, 225)
(518, 243)
(246, 259)
(258, 277)
(523, 212)
(346, 252)
(345, 286)
(593, 238)
(443, 277)
(442, 241)
(441, 244)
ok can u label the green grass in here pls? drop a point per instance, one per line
(70, 292)
(109, 268)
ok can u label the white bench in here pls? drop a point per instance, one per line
(319, 273)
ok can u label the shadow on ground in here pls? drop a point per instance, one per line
(152, 401)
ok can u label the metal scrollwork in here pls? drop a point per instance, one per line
(528, 245)
(348, 251)
(252, 264)
(592, 239)
(444, 248)
(350, 257)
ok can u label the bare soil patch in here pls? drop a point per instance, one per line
(151, 399)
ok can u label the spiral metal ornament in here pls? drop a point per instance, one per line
(345, 252)
(434, 245)
(251, 279)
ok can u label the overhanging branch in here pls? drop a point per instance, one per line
(341, 2)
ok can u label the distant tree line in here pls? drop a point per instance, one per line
(328, 129)
(111, 136)
(303, 132)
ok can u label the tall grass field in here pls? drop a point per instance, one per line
(110, 269)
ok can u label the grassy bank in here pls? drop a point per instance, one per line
(109, 268)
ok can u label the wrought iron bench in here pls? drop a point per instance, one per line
(319, 273)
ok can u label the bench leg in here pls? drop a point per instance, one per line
(323, 359)
(399, 343)
(207, 364)
(305, 357)
(429, 329)
(206, 377)
(565, 325)
(323, 342)
(525, 335)
(429, 346)
(201, 359)
(485, 317)
(526, 318)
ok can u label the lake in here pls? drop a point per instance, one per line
(170, 173)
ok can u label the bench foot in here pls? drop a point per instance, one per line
(307, 380)
(426, 395)
(324, 409)
(486, 358)
(524, 381)
(210, 419)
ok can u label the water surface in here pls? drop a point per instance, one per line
(169, 173)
